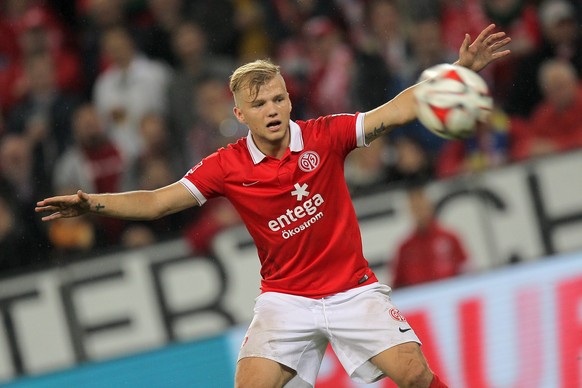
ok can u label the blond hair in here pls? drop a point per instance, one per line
(253, 75)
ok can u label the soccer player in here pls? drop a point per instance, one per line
(286, 181)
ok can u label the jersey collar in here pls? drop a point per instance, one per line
(295, 144)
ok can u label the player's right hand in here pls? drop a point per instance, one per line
(64, 206)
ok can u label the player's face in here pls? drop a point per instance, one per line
(267, 115)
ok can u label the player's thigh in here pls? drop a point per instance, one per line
(405, 365)
(257, 372)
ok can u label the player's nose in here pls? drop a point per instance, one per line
(272, 110)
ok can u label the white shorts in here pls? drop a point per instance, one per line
(295, 331)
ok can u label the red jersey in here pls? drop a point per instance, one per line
(429, 254)
(297, 209)
(561, 128)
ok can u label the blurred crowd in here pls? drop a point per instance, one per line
(111, 95)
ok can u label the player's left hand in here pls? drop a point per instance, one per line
(64, 206)
(484, 50)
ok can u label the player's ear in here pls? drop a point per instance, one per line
(238, 114)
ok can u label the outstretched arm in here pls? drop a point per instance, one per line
(402, 108)
(132, 205)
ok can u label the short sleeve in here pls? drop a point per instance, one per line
(345, 130)
(206, 179)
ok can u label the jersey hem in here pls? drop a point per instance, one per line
(371, 280)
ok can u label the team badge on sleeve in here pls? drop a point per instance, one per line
(196, 167)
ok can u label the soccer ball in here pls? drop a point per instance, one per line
(452, 100)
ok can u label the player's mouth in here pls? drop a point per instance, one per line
(274, 125)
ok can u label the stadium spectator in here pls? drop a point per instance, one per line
(157, 163)
(18, 188)
(374, 81)
(556, 123)
(330, 67)
(16, 169)
(200, 233)
(156, 37)
(37, 32)
(561, 39)
(517, 17)
(366, 170)
(93, 162)
(285, 18)
(16, 244)
(286, 22)
(431, 251)
(215, 125)
(409, 161)
(253, 42)
(490, 147)
(97, 16)
(189, 43)
(218, 21)
(387, 35)
(43, 116)
(426, 47)
(133, 86)
(8, 58)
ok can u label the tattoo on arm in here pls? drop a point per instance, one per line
(376, 132)
(98, 207)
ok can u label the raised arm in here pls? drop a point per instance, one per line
(132, 205)
(402, 108)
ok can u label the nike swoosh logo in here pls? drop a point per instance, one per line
(404, 330)
(246, 184)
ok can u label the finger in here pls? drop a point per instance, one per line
(50, 202)
(60, 200)
(500, 54)
(46, 201)
(82, 195)
(495, 37)
(504, 42)
(41, 203)
(485, 33)
(53, 216)
(50, 205)
(496, 46)
(44, 209)
(466, 43)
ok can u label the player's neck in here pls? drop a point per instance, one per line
(275, 149)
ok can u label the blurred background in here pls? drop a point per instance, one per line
(480, 239)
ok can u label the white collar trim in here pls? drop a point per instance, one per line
(295, 144)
